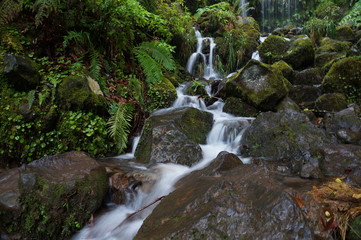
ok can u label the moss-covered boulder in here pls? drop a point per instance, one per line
(273, 49)
(310, 76)
(329, 50)
(238, 107)
(161, 95)
(304, 94)
(258, 84)
(21, 72)
(174, 136)
(286, 70)
(196, 88)
(58, 194)
(286, 136)
(344, 33)
(300, 54)
(345, 77)
(355, 50)
(332, 102)
(287, 103)
(74, 93)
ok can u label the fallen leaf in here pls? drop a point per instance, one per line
(338, 180)
(357, 196)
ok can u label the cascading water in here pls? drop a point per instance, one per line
(225, 136)
(277, 13)
(255, 55)
(200, 57)
(243, 5)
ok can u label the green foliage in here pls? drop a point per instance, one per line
(327, 10)
(353, 18)
(9, 9)
(136, 89)
(153, 57)
(316, 28)
(44, 8)
(119, 124)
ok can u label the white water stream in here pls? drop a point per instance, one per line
(225, 135)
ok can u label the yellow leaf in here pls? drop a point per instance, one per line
(357, 196)
(338, 180)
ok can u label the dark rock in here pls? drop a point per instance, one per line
(344, 33)
(332, 102)
(353, 176)
(174, 136)
(238, 107)
(244, 203)
(302, 94)
(324, 58)
(257, 83)
(287, 103)
(355, 50)
(286, 136)
(21, 72)
(339, 159)
(224, 162)
(310, 76)
(196, 88)
(74, 93)
(273, 49)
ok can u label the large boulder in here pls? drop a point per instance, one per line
(329, 50)
(304, 94)
(22, 72)
(57, 195)
(76, 93)
(174, 136)
(258, 84)
(332, 102)
(161, 95)
(286, 136)
(239, 108)
(273, 49)
(344, 77)
(242, 202)
(310, 76)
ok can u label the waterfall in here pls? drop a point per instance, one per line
(278, 13)
(244, 6)
(200, 57)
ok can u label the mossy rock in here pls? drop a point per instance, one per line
(330, 45)
(323, 59)
(21, 72)
(287, 103)
(258, 84)
(344, 33)
(174, 136)
(273, 49)
(161, 95)
(287, 70)
(196, 88)
(344, 77)
(304, 94)
(355, 50)
(332, 102)
(75, 94)
(300, 54)
(58, 195)
(238, 107)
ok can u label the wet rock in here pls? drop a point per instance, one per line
(196, 88)
(344, 77)
(258, 84)
(161, 95)
(224, 162)
(286, 136)
(74, 93)
(287, 103)
(339, 159)
(286, 70)
(310, 76)
(244, 203)
(21, 72)
(332, 102)
(54, 191)
(238, 107)
(174, 136)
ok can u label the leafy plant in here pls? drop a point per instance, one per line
(353, 18)
(153, 57)
(119, 124)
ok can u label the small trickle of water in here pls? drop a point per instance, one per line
(199, 57)
(243, 5)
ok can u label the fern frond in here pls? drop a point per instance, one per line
(31, 98)
(95, 67)
(81, 39)
(152, 56)
(9, 9)
(136, 89)
(43, 8)
(119, 124)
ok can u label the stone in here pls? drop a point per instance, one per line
(310, 76)
(21, 72)
(332, 102)
(239, 108)
(304, 94)
(286, 70)
(258, 84)
(273, 49)
(174, 136)
(300, 54)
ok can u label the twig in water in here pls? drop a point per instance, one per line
(139, 210)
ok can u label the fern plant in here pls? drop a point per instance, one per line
(119, 123)
(136, 89)
(9, 9)
(153, 57)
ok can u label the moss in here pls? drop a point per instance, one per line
(331, 45)
(284, 68)
(56, 211)
(300, 54)
(273, 49)
(161, 95)
(238, 107)
(344, 77)
(333, 102)
(344, 33)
